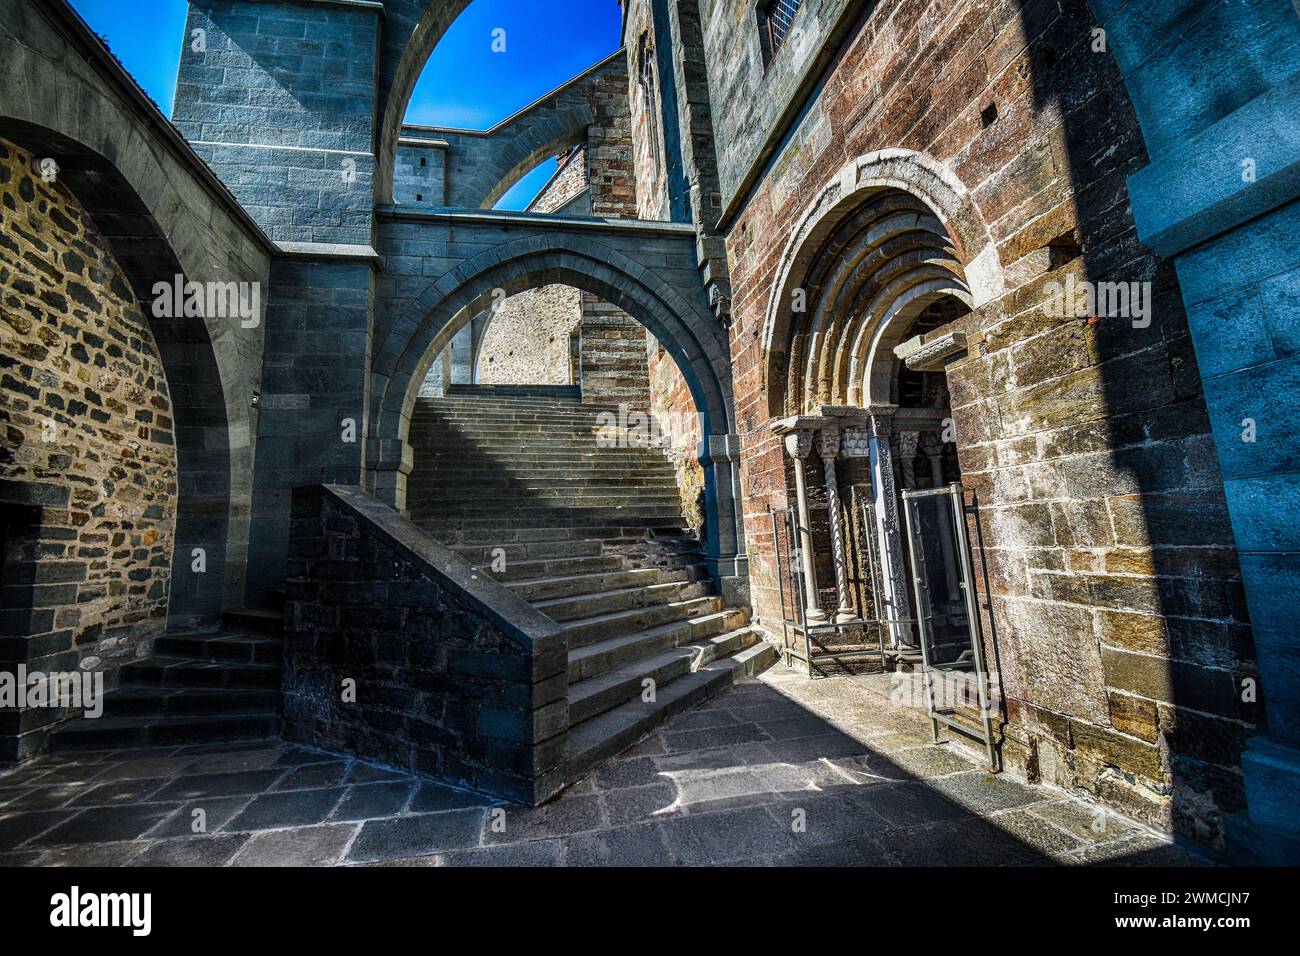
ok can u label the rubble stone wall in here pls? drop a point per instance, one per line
(88, 439)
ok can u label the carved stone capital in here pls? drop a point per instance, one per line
(828, 443)
(798, 444)
(931, 444)
(908, 443)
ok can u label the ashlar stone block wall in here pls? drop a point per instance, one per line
(1114, 604)
(396, 650)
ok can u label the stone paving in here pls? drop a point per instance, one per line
(775, 771)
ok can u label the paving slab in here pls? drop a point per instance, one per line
(779, 771)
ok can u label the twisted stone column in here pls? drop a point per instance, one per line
(828, 448)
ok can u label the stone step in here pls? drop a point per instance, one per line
(465, 400)
(456, 405)
(113, 733)
(512, 452)
(529, 570)
(594, 695)
(577, 607)
(539, 426)
(238, 648)
(531, 513)
(142, 700)
(621, 623)
(596, 525)
(568, 585)
(529, 453)
(596, 740)
(559, 485)
(585, 534)
(574, 467)
(487, 493)
(496, 392)
(255, 619)
(602, 656)
(472, 472)
(493, 499)
(466, 412)
(163, 671)
(482, 555)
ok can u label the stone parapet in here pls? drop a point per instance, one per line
(396, 650)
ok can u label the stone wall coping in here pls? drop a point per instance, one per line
(1182, 199)
(515, 616)
(513, 117)
(495, 217)
(373, 5)
(80, 34)
(417, 143)
(327, 250)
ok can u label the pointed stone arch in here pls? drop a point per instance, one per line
(688, 332)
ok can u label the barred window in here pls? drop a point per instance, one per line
(775, 18)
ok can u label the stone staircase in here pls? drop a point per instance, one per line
(196, 687)
(520, 486)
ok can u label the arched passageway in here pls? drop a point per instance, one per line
(212, 471)
(428, 321)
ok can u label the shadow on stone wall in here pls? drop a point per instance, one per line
(1146, 533)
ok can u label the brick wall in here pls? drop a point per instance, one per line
(1116, 600)
(609, 148)
(87, 463)
(613, 356)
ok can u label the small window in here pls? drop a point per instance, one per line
(775, 17)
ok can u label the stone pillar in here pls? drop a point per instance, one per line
(724, 531)
(798, 445)
(828, 448)
(889, 534)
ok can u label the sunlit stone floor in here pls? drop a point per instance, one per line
(776, 771)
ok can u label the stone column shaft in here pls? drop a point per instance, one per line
(889, 533)
(798, 445)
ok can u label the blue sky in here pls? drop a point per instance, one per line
(465, 83)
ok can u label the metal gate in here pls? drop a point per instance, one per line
(947, 611)
(814, 644)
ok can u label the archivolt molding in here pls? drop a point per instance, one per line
(891, 232)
